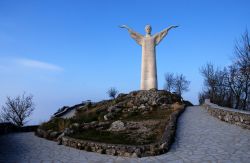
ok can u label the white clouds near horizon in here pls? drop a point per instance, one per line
(30, 63)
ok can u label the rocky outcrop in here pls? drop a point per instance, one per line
(124, 115)
(141, 101)
(153, 149)
(128, 150)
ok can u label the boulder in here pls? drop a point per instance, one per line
(67, 131)
(117, 126)
(112, 109)
(142, 107)
(134, 155)
(59, 138)
(75, 125)
(108, 116)
(54, 134)
(41, 133)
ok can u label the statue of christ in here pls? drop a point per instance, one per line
(148, 65)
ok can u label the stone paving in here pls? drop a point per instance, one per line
(200, 138)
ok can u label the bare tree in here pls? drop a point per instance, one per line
(18, 109)
(209, 73)
(242, 57)
(216, 85)
(231, 86)
(181, 84)
(112, 92)
(236, 84)
(169, 82)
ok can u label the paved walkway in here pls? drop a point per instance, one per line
(200, 138)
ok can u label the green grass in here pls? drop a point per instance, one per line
(105, 137)
(96, 113)
(56, 124)
(125, 137)
(87, 117)
(155, 114)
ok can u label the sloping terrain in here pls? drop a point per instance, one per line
(137, 118)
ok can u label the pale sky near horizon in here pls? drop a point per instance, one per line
(64, 52)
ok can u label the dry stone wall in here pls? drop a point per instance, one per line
(233, 116)
(129, 150)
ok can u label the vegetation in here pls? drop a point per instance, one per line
(56, 124)
(18, 109)
(112, 92)
(160, 117)
(169, 82)
(230, 86)
(177, 83)
(104, 136)
(141, 117)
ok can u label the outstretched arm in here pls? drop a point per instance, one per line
(136, 36)
(159, 36)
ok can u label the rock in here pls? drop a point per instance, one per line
(111, 152)
(137, 152)
(101, 151)
(108, 116)
(47, 134)
(41, 133)
(142, 107)
(100, 124)
(126, 154)
(134, 107)
(163, 146)
(154, 103)
(153, 149)
(67, 131)
(105, 117)
(54, 134)
(118, 110)
(75, 125)
(117, 126)
(93, 123)
(86, 126)
(134, 155)
(59, 139)
(59, 142)
(87, 148)
(114, 109)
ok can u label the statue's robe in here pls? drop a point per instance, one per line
(148, 65)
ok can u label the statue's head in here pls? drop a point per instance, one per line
(148, 29)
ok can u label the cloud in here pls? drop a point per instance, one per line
(38, 64)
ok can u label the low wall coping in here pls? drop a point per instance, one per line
(215, 106)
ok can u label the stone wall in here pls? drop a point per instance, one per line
(6, 128)
(128, 150)
(233, 116)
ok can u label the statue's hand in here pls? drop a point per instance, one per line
(124, 26)
(174, 26)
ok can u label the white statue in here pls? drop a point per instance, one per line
(148, 43)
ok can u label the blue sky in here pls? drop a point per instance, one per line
(64, 52)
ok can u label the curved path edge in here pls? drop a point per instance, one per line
(199, 138)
